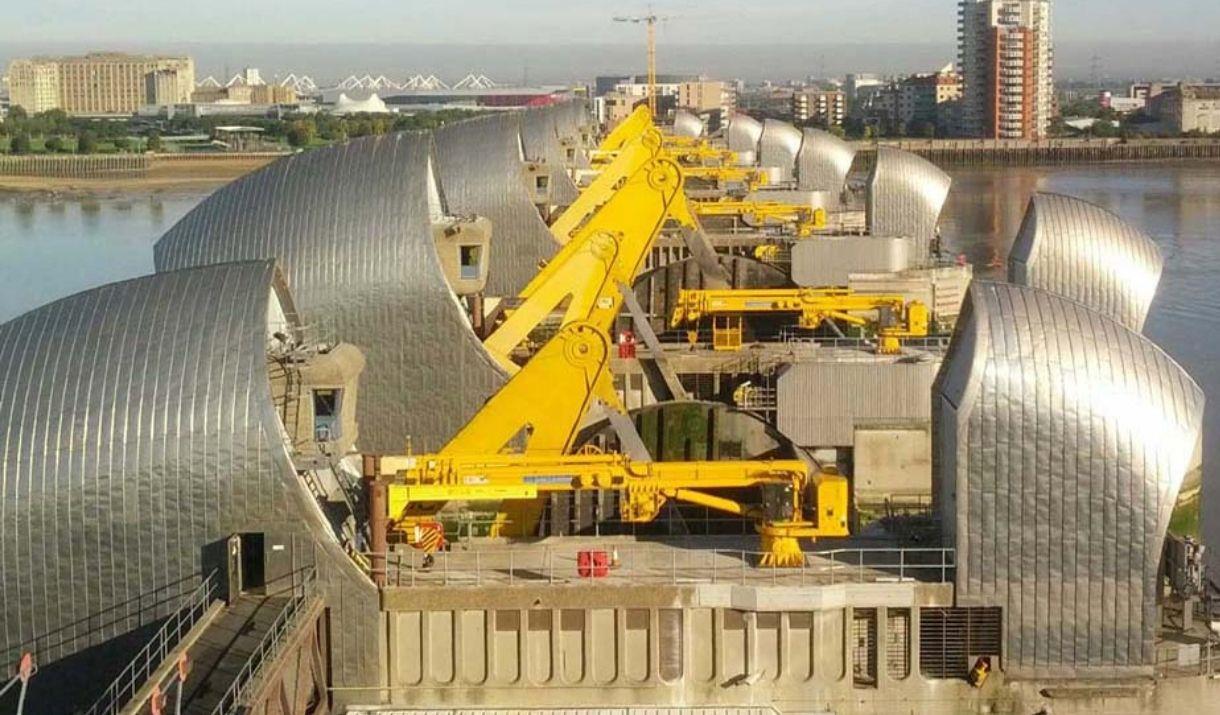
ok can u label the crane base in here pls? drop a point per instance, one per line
(781, 552)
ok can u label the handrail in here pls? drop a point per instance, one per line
(270, 645)
(153, 654)
(673, 566)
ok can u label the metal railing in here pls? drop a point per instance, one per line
(123, 688)
(269, 647)
(546, 564)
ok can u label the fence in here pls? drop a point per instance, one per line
(76, 167)
(269, 647)
(154, 653)
(672, 566)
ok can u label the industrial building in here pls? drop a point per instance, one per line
(524, 415)
(100, 83)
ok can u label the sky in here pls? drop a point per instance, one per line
(1121, 31)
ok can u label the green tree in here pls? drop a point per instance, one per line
(154, 142)
(86, 142)
(122, 144)
(55, 143)
(17, 113)
(301, 132)
(20, 144)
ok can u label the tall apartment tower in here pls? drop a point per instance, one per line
(1007, 65)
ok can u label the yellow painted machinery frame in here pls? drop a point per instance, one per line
(805, 220)
(895, 317)
(543, 405)
(518, 446)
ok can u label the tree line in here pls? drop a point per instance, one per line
(55, 132)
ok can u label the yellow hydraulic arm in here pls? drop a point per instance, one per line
(804, 219)
(895, 317)
(543, 405)
(636, 154)
(608, 248)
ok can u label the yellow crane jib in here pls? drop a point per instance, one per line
(892, 316)
(642, 149)
(607, 249)
(627, 130)
(793, 505)
(804, 220)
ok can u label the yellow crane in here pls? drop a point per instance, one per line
(892, 316)
(650, 20)
(519, 446)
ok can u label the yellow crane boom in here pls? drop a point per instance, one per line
(893, 316)
(520, 444)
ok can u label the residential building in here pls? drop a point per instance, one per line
(613, 107)
(1007, 62)
(824, 107)
(1188, 108)
(930, 100)
(98, 83)
(702, 95)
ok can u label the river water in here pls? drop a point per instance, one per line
(53, 247)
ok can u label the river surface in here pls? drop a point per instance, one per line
(53, 247)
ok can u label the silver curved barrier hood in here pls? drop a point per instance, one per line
(744, 134)
(824, 162)
(480, 168)
(351, 227)
(540, 138)
(905, 196)
(1081, 251)
(779, 146)
(137, 429)
(1060, 440)
(687, 124)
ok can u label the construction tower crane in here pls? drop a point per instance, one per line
(520, 445)
(651, 20)
(895, 317)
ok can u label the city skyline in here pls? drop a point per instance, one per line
(527, 21)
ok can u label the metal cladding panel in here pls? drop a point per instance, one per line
(540, 138)
(905, 196)
(1081, 251)
(480, 167)
(824, 162)
(820, 403)
(779, 147)
(1060, 440)
(687, 124)
(745, 133)
(350, 227)
(136, 427)
(574, 124)
(831, 261)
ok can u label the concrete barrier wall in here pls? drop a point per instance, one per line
(657, 646)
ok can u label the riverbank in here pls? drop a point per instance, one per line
(948, 153)
(143, 174)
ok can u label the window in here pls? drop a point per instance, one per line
(897, 642)
(542, 181)
(326, 414)
(864, 647)
(468, 257)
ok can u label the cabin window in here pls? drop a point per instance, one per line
(469, 257)
(326, 405)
